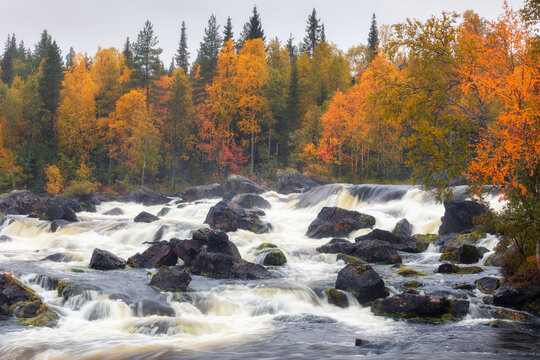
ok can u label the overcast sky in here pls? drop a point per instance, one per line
(87, 24)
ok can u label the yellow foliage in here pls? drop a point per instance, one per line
(55, 180)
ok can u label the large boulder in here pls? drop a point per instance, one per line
(454, 269)
(187, 250)
(403, 228)
(468, 254)
(145, 217)
(104, 260)
(251, 200)
(398, 242)
(519, 296)
(114, 212)
(144, 196)
(373, 251)
(420, 306)
(46, 207)
(275, 258)
(156, 255)
(458, 216)
(242, 185)
(226, 266)
(335, 221)
(216, 242)
(90, 201)
(361, 281)
(202, 192)
(488, 284)
(290, 182)
(227, 216)
(170, 279)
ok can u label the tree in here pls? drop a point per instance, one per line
(228, 31)
(313, 33)
(8, 58)
(146, 58)
(55, 180)
(182, 54)
(253, 28)
(373, 38)
(128, 54)
(69, 57)
(209, 51)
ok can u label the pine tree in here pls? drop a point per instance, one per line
(41, 47)
(10, 54)
(373, 38)
(128, 54)
(146, 56)
(253, 28)
(228, 31)
(69, 57)
(313, 33)
(182, 54)
(209, 50)
(51, 77)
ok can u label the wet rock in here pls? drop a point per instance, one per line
(458, 216)
(488, 284)
(454, 269)
(412, 284)
(145, 217)
(251, 200)
(462, 286)
(104, 260)
(242, 185)
(226, 266)
(468, 254)
(495, 259)
(293, 182)
(68, 290)
(216, 242)
(336, 297)
(403, 228)
(407, 272)
(519, 296)
(163, 212)
(449, 254)
(264, 246)
(426, 239)
(229, 195)
(456, 240)
(458, 307)
(227, 216)
(349, 259)
(149, 307)
(45, 207)
(376, 251)
(144, 196)
(361, 281)
(62, 257)
(90, 201)
(170, 279)
(116, 211)
(335, 222)
(156, 255)
(398, 242)
(57, 224)
(202, 192)
(337, 247)
(5, 238)
(187, 250)
(275, 258)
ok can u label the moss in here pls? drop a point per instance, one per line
(449, 254)
(44, 319)
(406, 272)
(76, 270)
(470, 270)
(265, 246)
(348, 259)
(427, 239)
(412, 284)
(128, 267)
(447, 318)
(337, 297)
(465, 239)
(164, 211)
(61, 285)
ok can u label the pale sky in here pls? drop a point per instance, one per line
(85, 25)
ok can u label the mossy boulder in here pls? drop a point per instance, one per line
(407, 272)
(411, 284)
(335, 222)
(164, 211)
(361, 281)
(337, 297)
(470, 238)
(488, 284)
(426, 239)
(348, 259)
(454, 269)
(275, 258)
(265, 246)
(494, 260)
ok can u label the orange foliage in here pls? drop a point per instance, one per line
(55, 180)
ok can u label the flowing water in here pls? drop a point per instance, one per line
(119, 316)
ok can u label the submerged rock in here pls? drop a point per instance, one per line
(458, 216)
(361, 281)
(62, 257)
(275, 258)
(337, 297)
(226, 266)
(519, 296)
(104, 260)
(202, 192)
(403, 228)
(156, 255)
(170, 279)
(145, 217)
(335, 222)
(242, 185)
(149, 307)
(114, 211)
(251, 200)
(290, 182)
(227, 216)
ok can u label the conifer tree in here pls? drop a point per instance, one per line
(253, 28)
(182, 54)
(313, 33)
(146, 57)
(128, 54)
(228, 31)
(69, 57)
(10, 53)
(209, 50)
(373, 38)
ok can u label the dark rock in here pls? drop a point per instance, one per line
(144, 196)
(454, 269)
(403, 228)
(170, 279)
(519, 296)
(290, 182)
(376, 251)
(202, 192)
(361, 281)
(358, 342)
(90, 201)
(145, 217)
(468, 254)
(104, 260)
(156, 255)
(275, 258)
(163, 212)
(242, 185)
(68, 290)
(337, 247)
(56, 224)
(422, 306)
(149, 307)
(251, 200)
(334, 221)
(488, 284)
(398, 242)
(61, 257)
(458, 307)
(46, 207)
(229, 195)
(5, 238)
(227, 216)
(458, 216)
(216, 242)
(462, 286)
(495, 259)
(412, 284)
(336, 297)
(114, 212)
(226, 266)
(187, 250)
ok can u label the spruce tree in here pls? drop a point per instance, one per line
(313, 33)
(209, 50)
(373, 38)
(50, 81)
(323, 34)
(128, 54)
(182, 54)
(41, 47)
(228, 31)
(69, 57)
(253, 28)
(146, 58)
(10, 54)
(171, 67)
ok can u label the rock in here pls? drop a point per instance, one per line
(426, 239)
(226, 266)
(420, 306)
(187, 250)
(335, 222)
(495, 259)
(216, 242)
(114, 212)
(45, 207)
(349, 259)
(156, 255)
(488, 284)
(361, 281)
(376, 251)
(202, 192)
(290, 182)
(149, 307)
(144, 196)
(458, 216)
(398, 242)
(336, 297)
(519, 296)
(67, 290)
(412, 284)
(337, 247)
(455, 241)
(403, 228)
(90, 201)
(5, 238)
(62, 257)
(145, 217)
(454, 269)
(275, 258)
(468, 254)
(229, 195)
(264, 246)
(227, 216)
(462, 286)
(163, 212)
(449, 254)
(242, 185)
(406, 272)
(104, 260)
(170, 279)
(56, 224)
(358, 342)
(251, 200)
